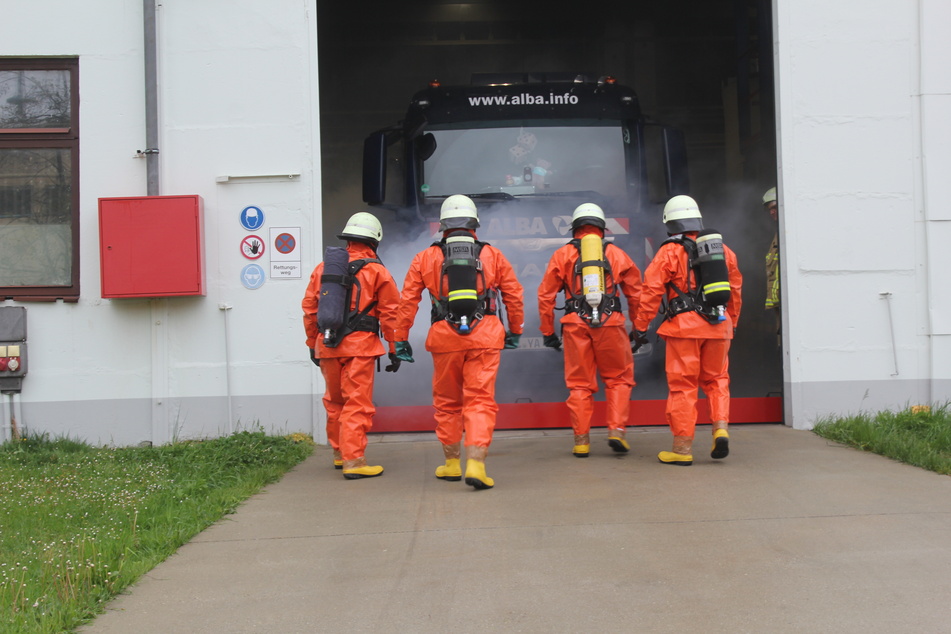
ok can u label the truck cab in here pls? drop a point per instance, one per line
(528, 149)
(540, 138)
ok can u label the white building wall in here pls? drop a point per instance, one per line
(864, 111)
(863, 108)
(237, 97)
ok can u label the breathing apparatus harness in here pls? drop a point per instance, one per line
(706, 259)
(463, 307)
(576, 303)
(340, 320)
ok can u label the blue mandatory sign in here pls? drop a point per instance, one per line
(252, 276)
(252, 218)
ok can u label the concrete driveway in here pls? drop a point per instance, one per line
(790, 533)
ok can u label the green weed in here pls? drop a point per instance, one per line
(919, 436)
(79, 524)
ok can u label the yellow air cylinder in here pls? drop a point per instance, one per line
(592, 276)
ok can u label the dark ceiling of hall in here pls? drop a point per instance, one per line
(391, 42)
(369, 23)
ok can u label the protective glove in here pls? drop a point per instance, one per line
(511, 341)
(552, 341)
(313, 357)
(638, 338)
(404, 352)
(395, 362)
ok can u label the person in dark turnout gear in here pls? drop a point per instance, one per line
(593, 328)
(771, 205)
(466, 336)
(698, 338)
(346, 356)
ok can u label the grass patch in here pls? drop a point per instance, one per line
(919, 436)
(78, 524)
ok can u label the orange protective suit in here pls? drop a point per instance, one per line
(464, 366)
(590, 351)
(348, 368)
(697, 351)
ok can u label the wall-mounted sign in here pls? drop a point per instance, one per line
(252, 247)
(285, 253)
(252, 276)
(252, 218)
(285, 243)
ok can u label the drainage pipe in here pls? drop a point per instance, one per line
(887, 296)
(920, 143)
(16, 423)
(224, 308)
(151, 100)
(7, 428)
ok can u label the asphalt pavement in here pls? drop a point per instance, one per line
(790, 533)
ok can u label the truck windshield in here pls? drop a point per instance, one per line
(527, 160)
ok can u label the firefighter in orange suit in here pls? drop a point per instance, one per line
(347, 366)
(466, 348)
(593, 328)
(697, 346)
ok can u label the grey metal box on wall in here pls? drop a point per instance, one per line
(12, 348)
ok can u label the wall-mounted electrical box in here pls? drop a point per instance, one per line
(12, 348)
(151, 246)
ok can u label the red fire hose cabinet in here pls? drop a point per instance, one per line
(151, 246)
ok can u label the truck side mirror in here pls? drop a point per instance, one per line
(425, 146)
(374, 168)
(676, 174)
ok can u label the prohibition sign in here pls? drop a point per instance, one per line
(252, 247)
(285, 243)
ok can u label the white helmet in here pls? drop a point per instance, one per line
(769, 196)
(681, 214)
(458, 212)
(363, 227)
(587, 214)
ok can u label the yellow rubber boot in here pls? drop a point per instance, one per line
(358, 468)
(475, 475)
(451, 471)
(721, 443)
(669, 457)
(475, 468)
(582, 446)
(617, 442)
(680, 455)
(338, 459)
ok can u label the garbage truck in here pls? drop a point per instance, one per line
(527, 148)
